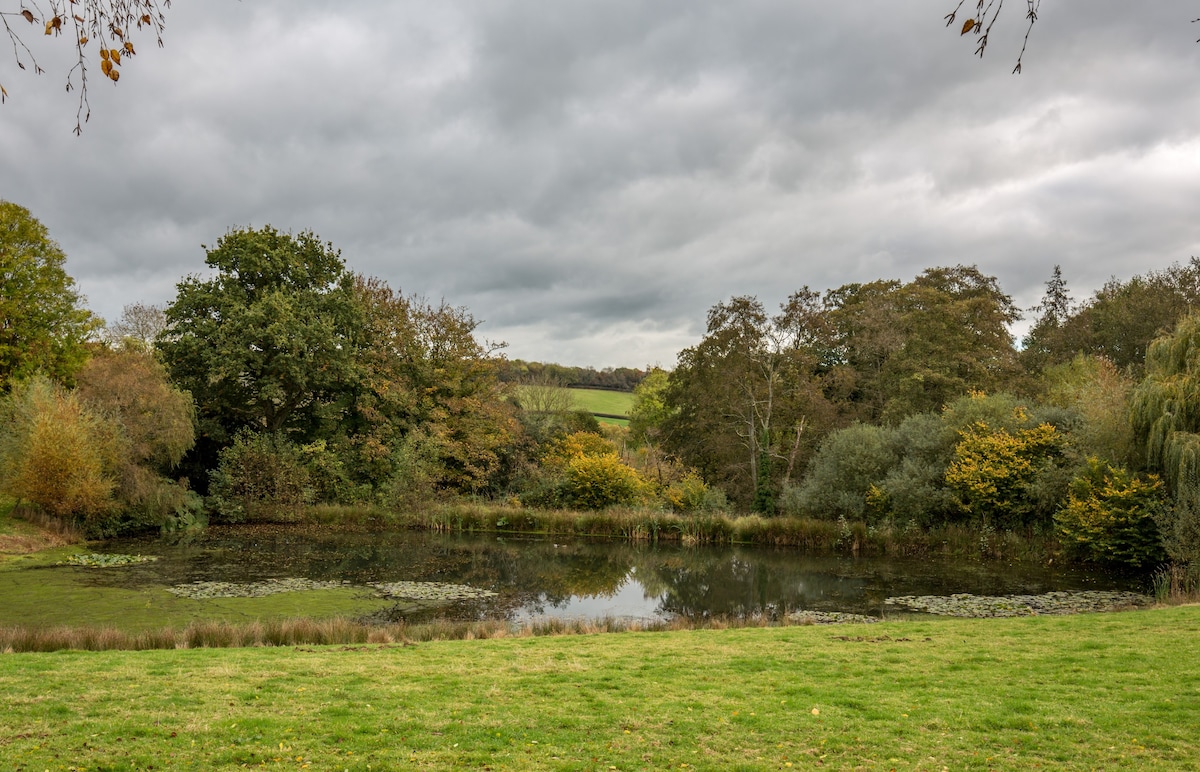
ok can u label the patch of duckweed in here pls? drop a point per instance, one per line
(435, 591)
(989, 606)
(203, 590)
(830, 618)
(97, 560)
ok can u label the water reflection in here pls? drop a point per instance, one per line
(580, 579)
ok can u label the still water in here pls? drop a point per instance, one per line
(544, 577)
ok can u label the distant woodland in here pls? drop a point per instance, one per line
(281, 379)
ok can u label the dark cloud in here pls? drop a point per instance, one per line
(588, 178)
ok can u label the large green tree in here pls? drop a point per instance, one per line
(43, 324)
(268, 342)
(746, 404)
(428, 388)
(915, 347)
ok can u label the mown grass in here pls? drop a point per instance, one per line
(603, 401)
(599, 401)
(1103, 691)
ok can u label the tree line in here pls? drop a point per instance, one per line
(909, 404)
(281, 379)
(611, 378)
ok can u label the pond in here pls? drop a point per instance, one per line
(519, 578)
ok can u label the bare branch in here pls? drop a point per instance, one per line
(986, 14)
(108, 26)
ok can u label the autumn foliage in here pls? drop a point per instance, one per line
(56, 453)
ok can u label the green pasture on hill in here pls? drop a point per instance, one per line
(604, 402)
(1099, 691)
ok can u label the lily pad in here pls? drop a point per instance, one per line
(97, 560)
(988, 606)
(202, 590)
(830, 618)
(436, 591)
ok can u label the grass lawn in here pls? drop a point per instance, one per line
(1102, 691)
(601, 401)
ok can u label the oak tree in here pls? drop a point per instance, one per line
(268, 343)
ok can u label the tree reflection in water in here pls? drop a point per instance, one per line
(536, 577)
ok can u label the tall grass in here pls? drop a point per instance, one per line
(706, 528)
(340, 632)
(1177, 583)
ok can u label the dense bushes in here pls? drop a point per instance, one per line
(94, 457)
(984, 459)
(1111, 516)
(995, 471)
(58, 454)
(260, 477)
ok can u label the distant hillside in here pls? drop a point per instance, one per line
(616, 378)
(608, 406)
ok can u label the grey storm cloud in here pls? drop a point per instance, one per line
(589, 178)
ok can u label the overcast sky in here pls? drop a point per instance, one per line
(589, 177)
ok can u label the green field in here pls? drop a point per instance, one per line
(602, 401)
(1100, 691)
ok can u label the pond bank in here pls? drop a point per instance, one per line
(342, 631)
(19, 536)
(814, 537)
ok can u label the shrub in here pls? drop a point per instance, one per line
(1110, 515)
(260, 478)
(994, 471)
(845, 467)
(414, 465)
(328, 477)
(691, 494)
(582, 470)
(914, 490)
(560, 451)
(57, 453)
(599, 481)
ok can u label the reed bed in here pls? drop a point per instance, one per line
(342, 632)
(716, 528)
(1177, 584)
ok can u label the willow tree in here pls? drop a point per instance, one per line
(1166, 416)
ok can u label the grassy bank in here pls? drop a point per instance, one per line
(1085, 692)
(603, 401)
(816, 537)
(19, 536)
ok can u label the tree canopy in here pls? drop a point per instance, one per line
(43, 323)
(268, 342)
